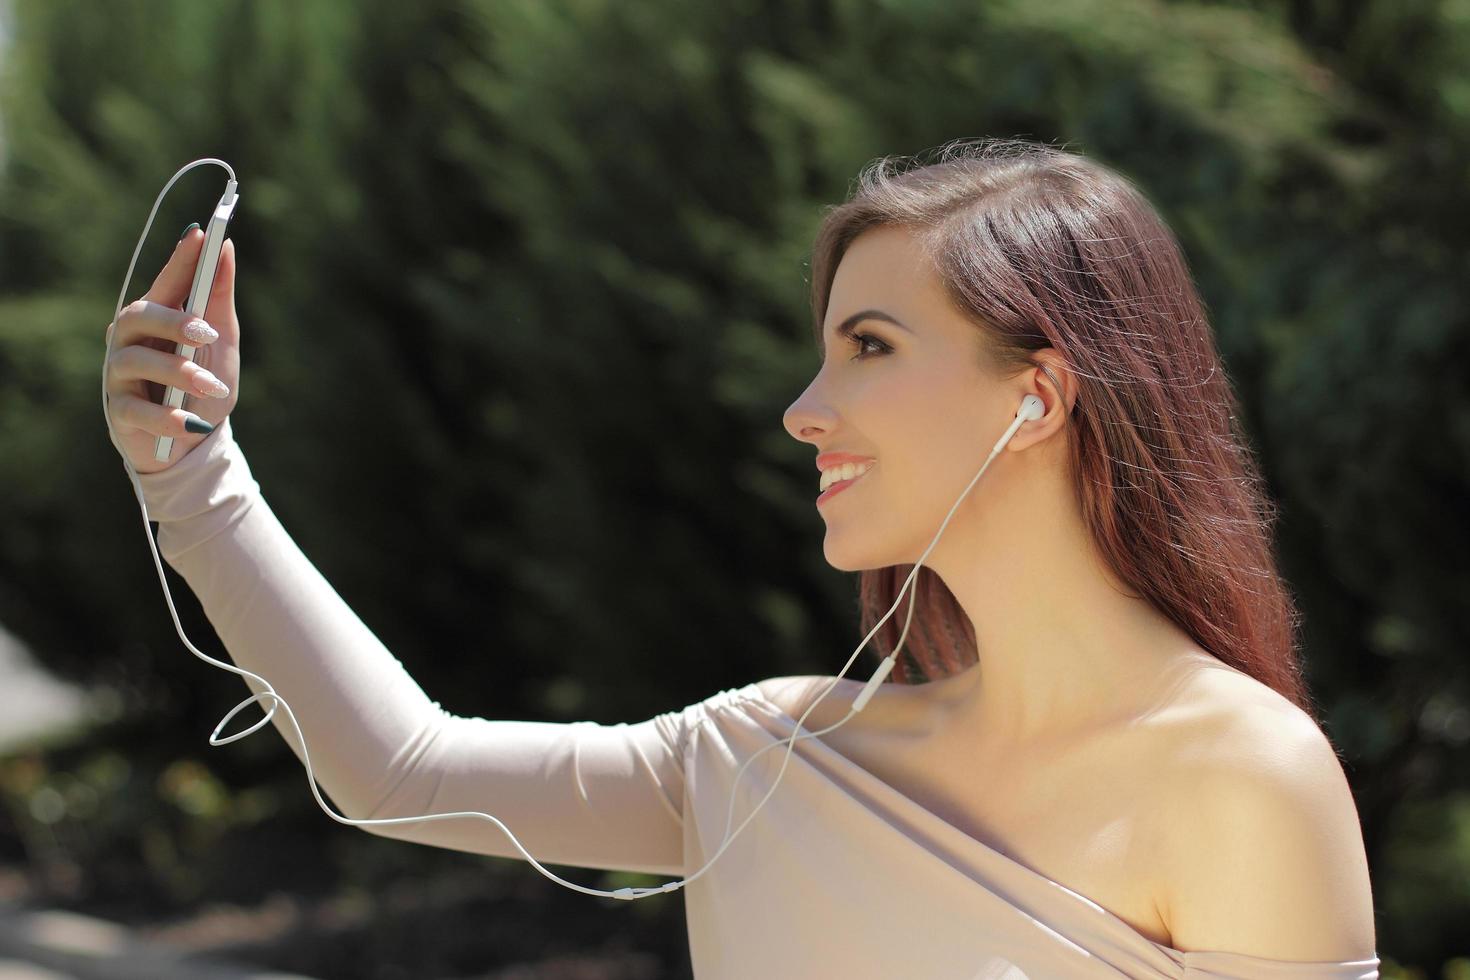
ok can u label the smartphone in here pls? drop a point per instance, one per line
(214, 240)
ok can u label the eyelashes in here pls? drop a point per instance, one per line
(861, 340)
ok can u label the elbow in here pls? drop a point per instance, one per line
(406, 788)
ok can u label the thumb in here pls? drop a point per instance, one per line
(174, 281)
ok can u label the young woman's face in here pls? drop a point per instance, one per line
(915, 398)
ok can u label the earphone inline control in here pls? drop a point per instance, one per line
(1031, 409)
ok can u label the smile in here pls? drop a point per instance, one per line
(842, 485)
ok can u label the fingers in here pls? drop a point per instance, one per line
(136, 363)
(145, 318)
(130, 412)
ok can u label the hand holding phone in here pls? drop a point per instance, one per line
(154, 364)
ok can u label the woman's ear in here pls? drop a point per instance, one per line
(1056, 387)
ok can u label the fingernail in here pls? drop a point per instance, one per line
(195, 424)
(211, 385)
(189, 229)
(200, 332)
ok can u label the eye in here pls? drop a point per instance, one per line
(861, 340)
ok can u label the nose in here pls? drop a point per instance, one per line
(806, 419)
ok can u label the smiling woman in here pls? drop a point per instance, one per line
(1122, 538)
(1035, 249)
(1137, 709)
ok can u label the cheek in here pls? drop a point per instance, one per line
(893, 405)
(936, 445)
(931, 409)
(927, 423)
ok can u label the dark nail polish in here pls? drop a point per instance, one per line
(195, 424)
(189, 229)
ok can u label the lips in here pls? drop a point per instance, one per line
(825, 461)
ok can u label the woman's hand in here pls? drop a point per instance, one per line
(142, 362)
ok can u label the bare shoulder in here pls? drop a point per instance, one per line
(1262, 849)
(1227, 721)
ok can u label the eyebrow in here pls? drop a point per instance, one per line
(846, 326)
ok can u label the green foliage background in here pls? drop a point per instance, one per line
(523, 291)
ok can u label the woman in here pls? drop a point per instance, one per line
(1114, 768)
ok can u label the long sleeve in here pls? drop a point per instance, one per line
(580, 794)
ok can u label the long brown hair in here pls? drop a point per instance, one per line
(1040, 247)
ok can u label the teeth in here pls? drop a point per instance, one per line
(846, 471)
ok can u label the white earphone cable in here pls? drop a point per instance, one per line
(1031, 408)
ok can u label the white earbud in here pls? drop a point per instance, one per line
(1031, 409)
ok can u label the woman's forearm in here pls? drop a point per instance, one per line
(601, 796)
(279, 617)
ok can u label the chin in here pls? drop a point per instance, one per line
(854, 556)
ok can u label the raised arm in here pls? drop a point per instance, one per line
(580, 794)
